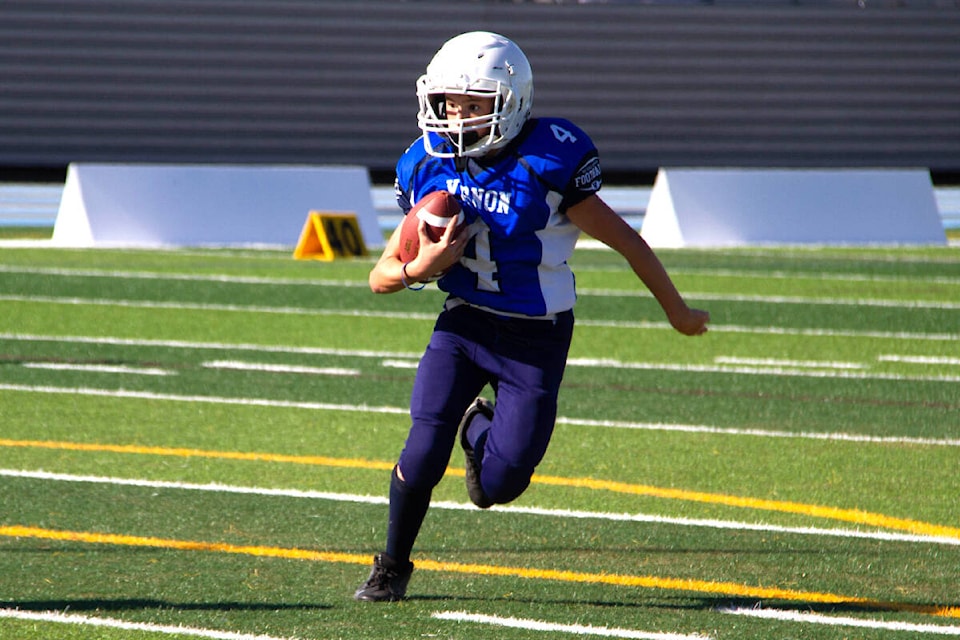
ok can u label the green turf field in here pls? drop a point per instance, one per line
(198, 444)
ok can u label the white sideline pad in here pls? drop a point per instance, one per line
(738, 207)
(156, 205)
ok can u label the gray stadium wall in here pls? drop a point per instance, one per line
(708, 84)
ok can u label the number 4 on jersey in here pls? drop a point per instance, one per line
(561, 134)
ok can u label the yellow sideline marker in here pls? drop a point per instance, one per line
(328, 235)
(855, 516)
(646, 582)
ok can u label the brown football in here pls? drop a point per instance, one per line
(436, 208)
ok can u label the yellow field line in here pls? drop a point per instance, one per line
(352, 463)
(854, 516)
(647, 582)
(833, 513)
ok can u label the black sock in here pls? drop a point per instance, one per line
(478, 445)
(407, 510)
(477, 433)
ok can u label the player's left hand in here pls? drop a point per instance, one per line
(690, 322)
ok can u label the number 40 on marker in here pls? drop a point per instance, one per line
(327, 235)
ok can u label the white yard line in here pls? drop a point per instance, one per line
(213, 346)
(763, 370)
(252, 402)
(937, 360)
(406, 360)
(761, 433)
(234, 365)
(735, 297)
(214, 277)
(844, 621)
(400, 364)
(186, 277)
(802, 275)
(576, 629)
(191, 306)
(98, 368)
(404, 315)
(507, 509)
(584, 291)
(782, 331)
(112, 623)
(782, 362)
(321, 406)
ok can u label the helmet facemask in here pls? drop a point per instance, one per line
(468, 137)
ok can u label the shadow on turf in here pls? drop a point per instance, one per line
(705, 604)
(76, 606)
(683, 604)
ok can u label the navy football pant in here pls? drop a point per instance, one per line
(523, 361)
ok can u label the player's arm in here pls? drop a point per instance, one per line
(594, 217)
(385, 275)
(389, 274)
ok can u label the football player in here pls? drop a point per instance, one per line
(528, 187)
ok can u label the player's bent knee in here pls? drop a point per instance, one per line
(503, 483)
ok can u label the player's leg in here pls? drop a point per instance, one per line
(446, 382)
(531, 359)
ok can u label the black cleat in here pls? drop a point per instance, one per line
(387, 582)
(472, 465)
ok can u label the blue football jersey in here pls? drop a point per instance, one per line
(516, 202)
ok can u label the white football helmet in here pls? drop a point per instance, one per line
(479, 64)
